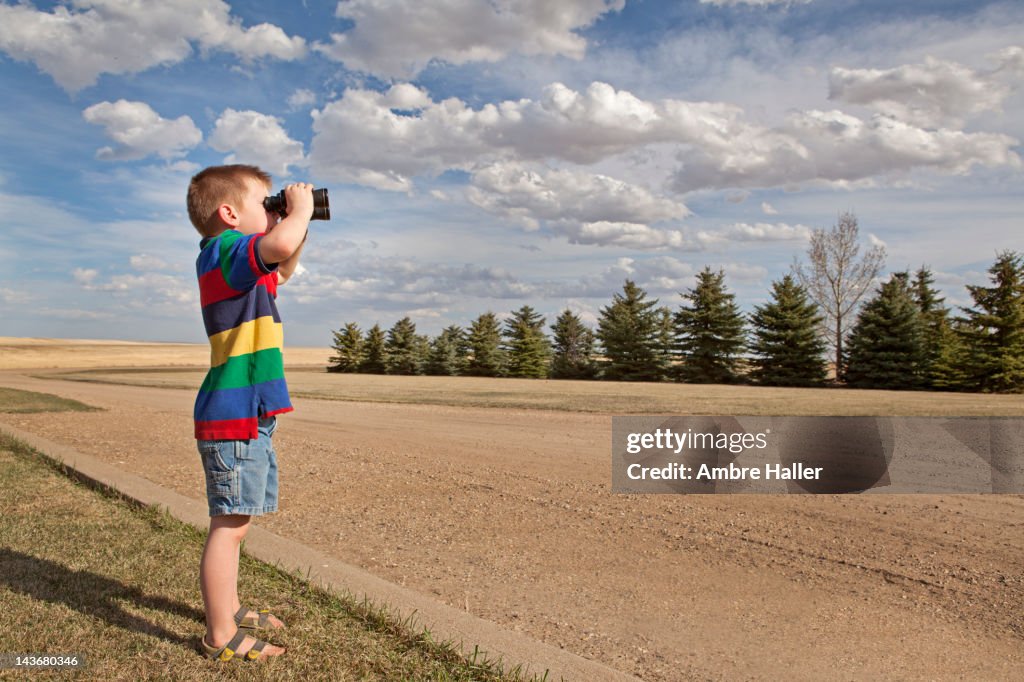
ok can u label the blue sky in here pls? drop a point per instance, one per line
(485, 155)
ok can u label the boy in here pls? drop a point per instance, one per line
(244, 255)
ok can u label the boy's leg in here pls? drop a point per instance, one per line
(218, 579)
(236, 604)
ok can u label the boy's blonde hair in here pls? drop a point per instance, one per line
(218, 185)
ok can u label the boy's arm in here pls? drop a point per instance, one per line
(286, 267)
(286, 238)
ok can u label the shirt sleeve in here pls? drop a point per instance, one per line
(240, 260)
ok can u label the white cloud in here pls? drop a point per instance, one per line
(534, 195)
(398, 38)
(14, 296)
(146, 291)
(256, 138)
(144, 262)
(620, 234)
(72, 314)
(768, 209)
(301, 98)
(392, 281)
(84, 276)
(934, 94)
(385, 139)
(139, 131)
(766, 232)
(91, 37)
(838, 148)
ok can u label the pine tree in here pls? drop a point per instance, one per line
(572, 348)
(787, 349)
(628, 331)
(993, 329)
(486, 358)
(445, 357)
(885, 349)
(375, 358)
(665, 348)
(403, 348)
(710, 332)
(949, 370)
(935, 329)
(527, 348)
(348, 349)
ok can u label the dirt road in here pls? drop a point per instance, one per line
(509, 514)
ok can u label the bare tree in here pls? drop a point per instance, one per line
(836, 279)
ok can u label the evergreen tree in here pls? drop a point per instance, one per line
(486, 358)
(993, 329)
(628, 331)
(710, 332)
(885, 349)
(403, 348)
(949, 369)
(527, 348)
(445, 356)
(421, 349)
(375, 357)
(935, 329)
(665, 348)
(348, 349)
(573, 348)
(787, 349)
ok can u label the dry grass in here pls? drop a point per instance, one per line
(184, 365)
(13, 400)
(23, 353)
(595, 396)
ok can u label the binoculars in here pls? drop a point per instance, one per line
(321, 205)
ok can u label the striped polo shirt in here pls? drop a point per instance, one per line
(246, 377)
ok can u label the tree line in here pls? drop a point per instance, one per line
(903, 337)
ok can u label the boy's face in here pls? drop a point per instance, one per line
(252, 217)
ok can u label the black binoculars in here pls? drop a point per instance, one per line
(321, 205)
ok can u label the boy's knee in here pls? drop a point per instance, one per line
(234, 525)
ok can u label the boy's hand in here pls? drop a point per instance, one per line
(284, 238)
(299, 200)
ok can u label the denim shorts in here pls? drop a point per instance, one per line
(241, 475)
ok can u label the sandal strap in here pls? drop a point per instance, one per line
(260, 620)
(256, 650)
(227, 652)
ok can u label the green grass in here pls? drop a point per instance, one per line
(18, 401)
(84, 571)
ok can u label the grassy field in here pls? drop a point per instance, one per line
(28, 353)
(592, 396)
(85, 572)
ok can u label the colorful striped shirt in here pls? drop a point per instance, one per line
(246, 377)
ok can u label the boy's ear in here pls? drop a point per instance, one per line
(228, 214)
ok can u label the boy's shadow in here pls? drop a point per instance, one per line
(90, 593)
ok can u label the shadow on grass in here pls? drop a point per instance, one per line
(90, 593)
